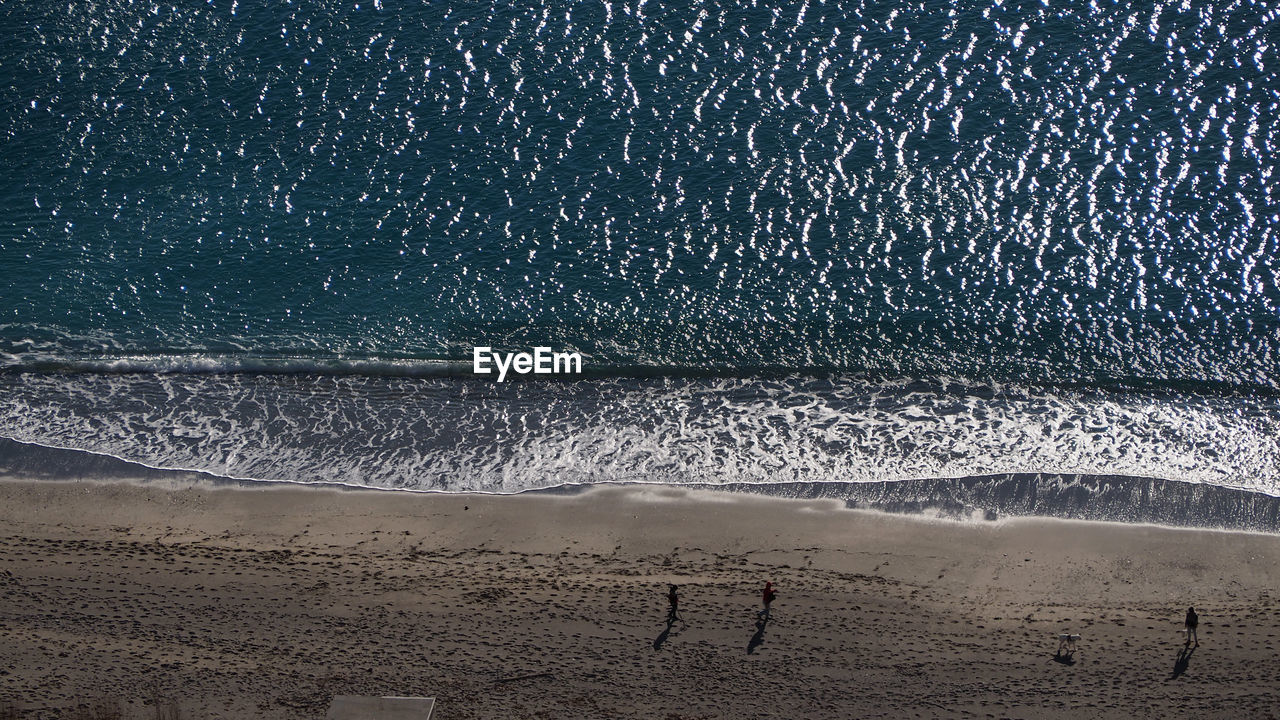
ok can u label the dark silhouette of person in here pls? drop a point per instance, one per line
(1182, 663)
(758, 639)
(673, 598)
(1193, 621)
(767, 595)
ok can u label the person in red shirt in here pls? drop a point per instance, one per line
(767, 595)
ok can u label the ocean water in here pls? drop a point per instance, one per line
(808, 242)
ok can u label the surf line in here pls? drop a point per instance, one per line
(542, 361)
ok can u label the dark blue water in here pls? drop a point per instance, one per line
(965, 237)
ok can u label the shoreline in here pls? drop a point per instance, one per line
(266, 602)
(1125, 500)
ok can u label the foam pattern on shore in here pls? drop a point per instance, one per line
(462, 435)
(982, 499)
(1106, 498)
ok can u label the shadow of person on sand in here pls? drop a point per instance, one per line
(1182, 663)
(666, 633)
(758, 639)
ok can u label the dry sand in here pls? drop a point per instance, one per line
(231, 603)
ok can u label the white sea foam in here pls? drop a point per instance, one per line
(463, 435)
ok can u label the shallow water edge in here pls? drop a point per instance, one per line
(979, 499)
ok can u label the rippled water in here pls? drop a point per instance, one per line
(1077, 197)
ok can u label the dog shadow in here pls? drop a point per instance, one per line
(1065, 658)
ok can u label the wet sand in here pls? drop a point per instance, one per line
(237, 603)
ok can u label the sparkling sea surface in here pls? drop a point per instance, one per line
(801, 242)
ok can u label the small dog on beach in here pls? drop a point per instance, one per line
(1067, 642)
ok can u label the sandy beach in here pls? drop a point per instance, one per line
(265, 603)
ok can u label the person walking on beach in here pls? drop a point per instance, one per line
(1193, 620)
(673, 598)
(767, 595)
